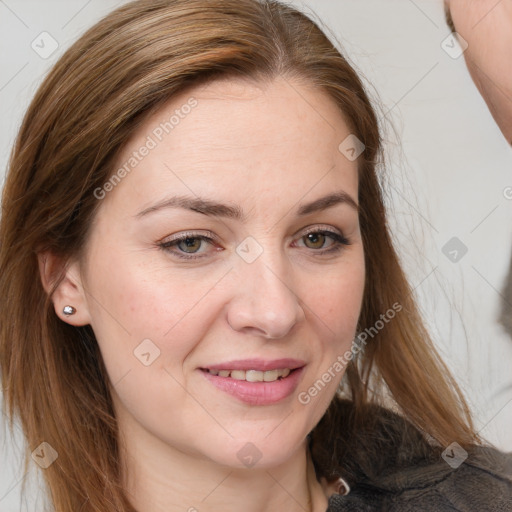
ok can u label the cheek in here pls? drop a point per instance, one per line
(337, 315)
(148, 319)
(133, 300)
(339, 301)
(334, 308)
(343, 305)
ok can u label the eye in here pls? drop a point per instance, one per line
(316, 238)
(188, 245)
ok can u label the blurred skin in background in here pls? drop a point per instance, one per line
(486, 25)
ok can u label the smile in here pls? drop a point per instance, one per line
(262, 386)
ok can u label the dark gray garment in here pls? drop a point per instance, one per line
(482, 484)
(392, 467)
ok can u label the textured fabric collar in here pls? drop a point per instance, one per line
(394, 467)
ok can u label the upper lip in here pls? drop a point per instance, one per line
(258, 364)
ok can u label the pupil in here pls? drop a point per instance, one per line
(314, 237)
(189, 242)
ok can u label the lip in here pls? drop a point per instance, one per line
(257, 393)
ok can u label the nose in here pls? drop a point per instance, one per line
(265, 303)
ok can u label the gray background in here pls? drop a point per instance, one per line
(448, 168)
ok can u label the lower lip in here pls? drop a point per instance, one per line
(257, 393)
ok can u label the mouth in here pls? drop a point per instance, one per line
(256, 382)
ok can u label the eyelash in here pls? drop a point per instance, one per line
(339, 242)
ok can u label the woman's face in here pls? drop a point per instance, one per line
(268, 292)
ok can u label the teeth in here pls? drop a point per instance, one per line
(253, 375)
(270, 376)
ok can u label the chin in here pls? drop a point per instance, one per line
(267, 443)
(260, 451)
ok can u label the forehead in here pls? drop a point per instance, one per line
(236, 111)
(239, 137)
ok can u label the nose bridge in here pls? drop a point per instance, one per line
(265, 299)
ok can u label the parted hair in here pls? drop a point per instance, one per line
(94, 98)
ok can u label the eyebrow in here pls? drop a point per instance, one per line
(215, 209)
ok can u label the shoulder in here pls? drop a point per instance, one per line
(393, 467)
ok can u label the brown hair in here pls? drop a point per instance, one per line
(94, 98)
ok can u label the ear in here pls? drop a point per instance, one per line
(69, 291)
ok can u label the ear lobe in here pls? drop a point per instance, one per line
(54, 272)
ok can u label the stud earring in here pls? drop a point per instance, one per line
(69, 310)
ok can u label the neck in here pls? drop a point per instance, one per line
(162, 478)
